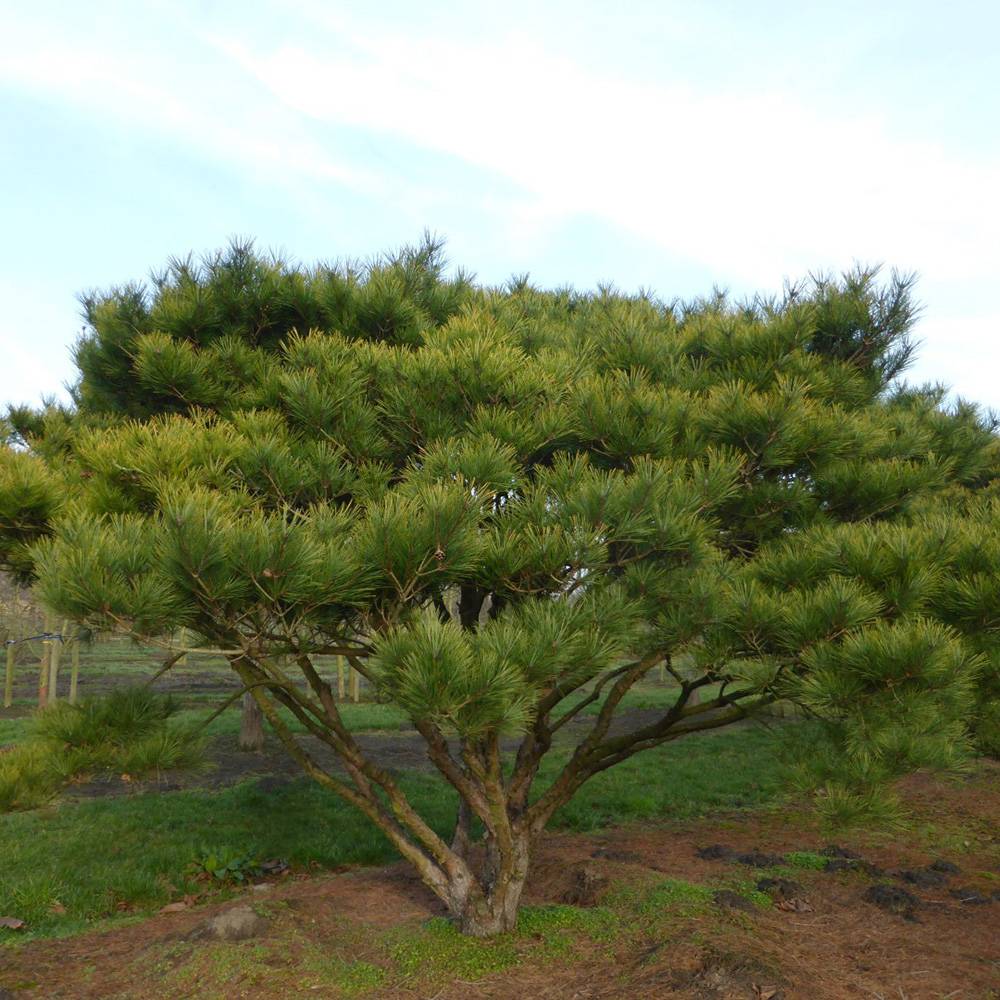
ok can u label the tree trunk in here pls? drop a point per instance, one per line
(252, 725)
(484, 907)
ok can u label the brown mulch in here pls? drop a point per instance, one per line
(832, 943)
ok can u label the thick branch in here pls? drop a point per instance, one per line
(433, 876)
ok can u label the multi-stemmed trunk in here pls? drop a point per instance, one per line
(481, 884)
(485, 903)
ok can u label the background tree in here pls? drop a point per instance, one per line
(506, 506)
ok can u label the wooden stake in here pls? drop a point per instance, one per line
(8, 684)
(340, 678)
(74, 673)
(355, 685)
(44, 665)
(15, 611)
(182, 641)
(251, 725)
(57, 647)
(43, 673)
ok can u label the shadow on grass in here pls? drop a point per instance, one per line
(70, 864)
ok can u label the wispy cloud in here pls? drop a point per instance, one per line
(756, 184)
(155, 89)
(753, 178)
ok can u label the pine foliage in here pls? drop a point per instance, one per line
(507, 505)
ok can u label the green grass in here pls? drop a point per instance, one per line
(14, 730)
(360, 717)
(734, 769)
(96, 856)
(651, 694)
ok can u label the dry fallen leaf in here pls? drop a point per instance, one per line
(765, 992)
(11, 923)
(57, 907)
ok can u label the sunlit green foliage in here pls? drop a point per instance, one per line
(509, 505)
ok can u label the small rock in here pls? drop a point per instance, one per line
(779, 888)
(613, 854)
(274, 866)
(237, 924)
(945, 867)
(715, 852)
(973, 896)
(174, 907)
(893, 899)
(733, 901)
(587, 885)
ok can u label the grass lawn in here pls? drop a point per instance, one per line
(70, 864)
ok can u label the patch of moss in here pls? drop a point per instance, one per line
(559, 925)
(748, 890)
(670, 896)
(215, 969)
(809, 860)
(437, 948)
(350, 978)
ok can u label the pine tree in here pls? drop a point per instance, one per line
(506, 507)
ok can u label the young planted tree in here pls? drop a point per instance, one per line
(505, 508)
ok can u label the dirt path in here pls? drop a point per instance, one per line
(397, 752)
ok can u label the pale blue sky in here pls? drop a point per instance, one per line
(674, 146)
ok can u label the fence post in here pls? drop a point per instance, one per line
(74, 673)
(8, 682)
(182, 639)
(44, 666)
(14, 632)
(57, 647)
